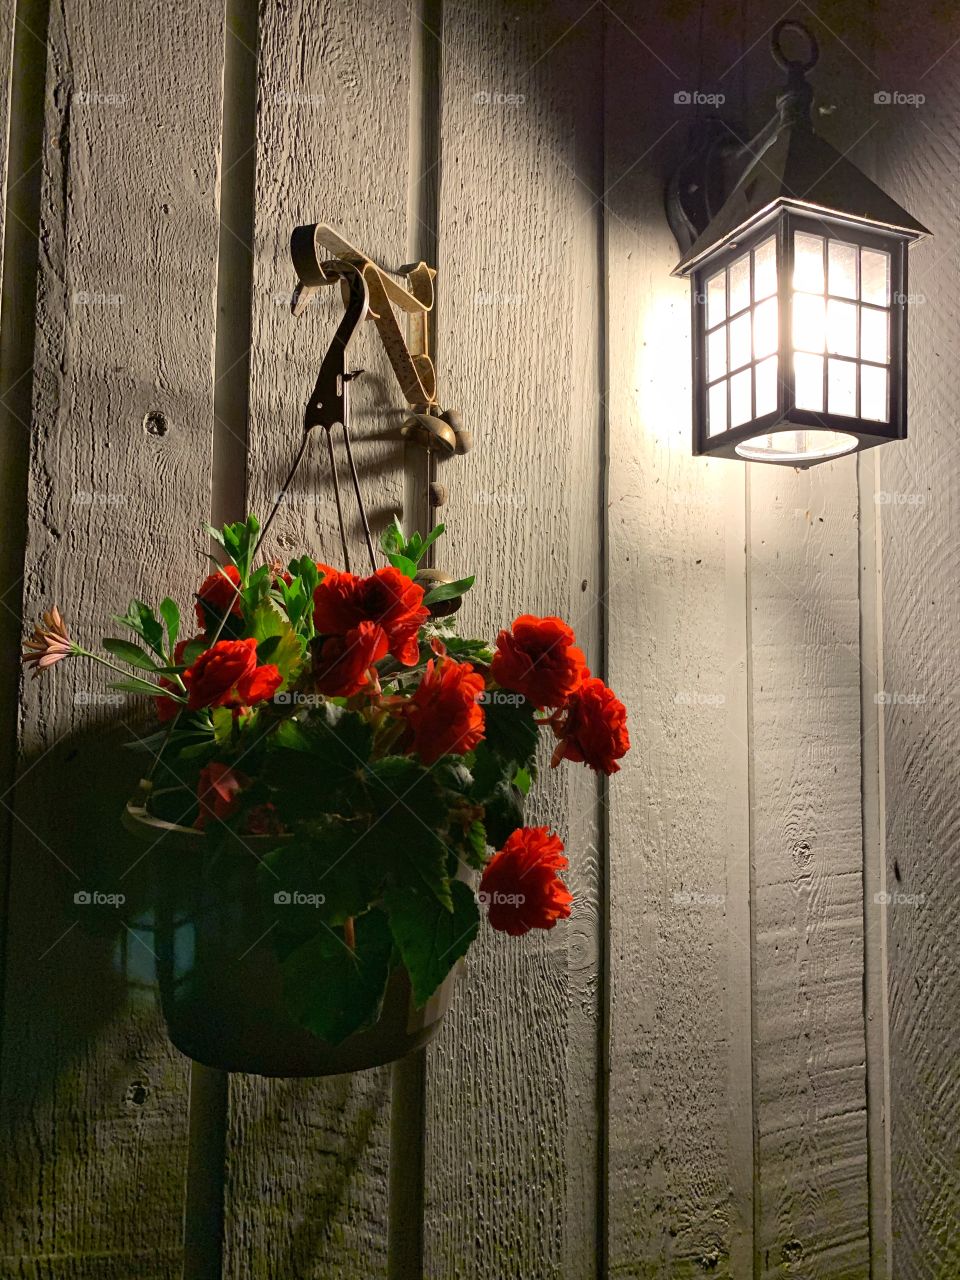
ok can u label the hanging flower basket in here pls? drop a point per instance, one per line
(335, 767)
(221, 984)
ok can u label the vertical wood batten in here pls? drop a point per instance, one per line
(204, 1225)
(919, 543)
(807, 842)
(93, 1096)
(307, 1161)
(23, 57)
(679, 1139)
(408, 1091)
(512, 1090)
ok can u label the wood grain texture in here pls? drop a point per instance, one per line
(919, 549)
(93, 1096)
(307, 1162)
(680, 1131)
(812, 1209)
(513, 1118)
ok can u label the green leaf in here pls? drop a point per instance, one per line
(430, 539)
(511, 732)
(324, 862)
(140, 619)
(268, 624)
(447, 590)
(502, 813)
(393, 540)
(170, 613)
(476, 844)
(130, 653)
(522, 780)
(333, 991)
(137, 686)
(404, 564)
(430, 939)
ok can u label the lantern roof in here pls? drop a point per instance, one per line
(799, 169)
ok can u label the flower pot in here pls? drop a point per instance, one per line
(220, 978)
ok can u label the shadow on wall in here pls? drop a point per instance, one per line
(84, 1045)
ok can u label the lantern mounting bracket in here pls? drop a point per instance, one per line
(720, 154)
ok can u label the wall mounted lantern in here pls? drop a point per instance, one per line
(799, 287)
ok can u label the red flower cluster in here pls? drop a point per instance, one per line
(538, 658)
(592, 728)
(443, 715)
(388, 597)
(227, 675)
(520, 886)
(218, 595)
(342, 663)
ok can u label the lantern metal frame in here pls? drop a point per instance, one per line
(793, 181)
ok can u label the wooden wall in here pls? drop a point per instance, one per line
(738, 1058)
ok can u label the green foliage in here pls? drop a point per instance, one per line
(277, 642)
(333, 991)
(448, 590)
(429, 938)
(238, 540)
(141, 620)
(132, 654)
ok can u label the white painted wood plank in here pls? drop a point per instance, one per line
(680, 1135)
(807, 854)
(94, 1097)
(919, 541)
(307, 1162)
(513, 1118)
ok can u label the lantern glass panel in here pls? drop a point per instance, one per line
(741, 398)
(717, 409)
(716, 299)
(808, 262)
(875, 277)
(873, 393)
(808, 376)
(765, 269)
(765, 388)
(740, 284)
(842, 270)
